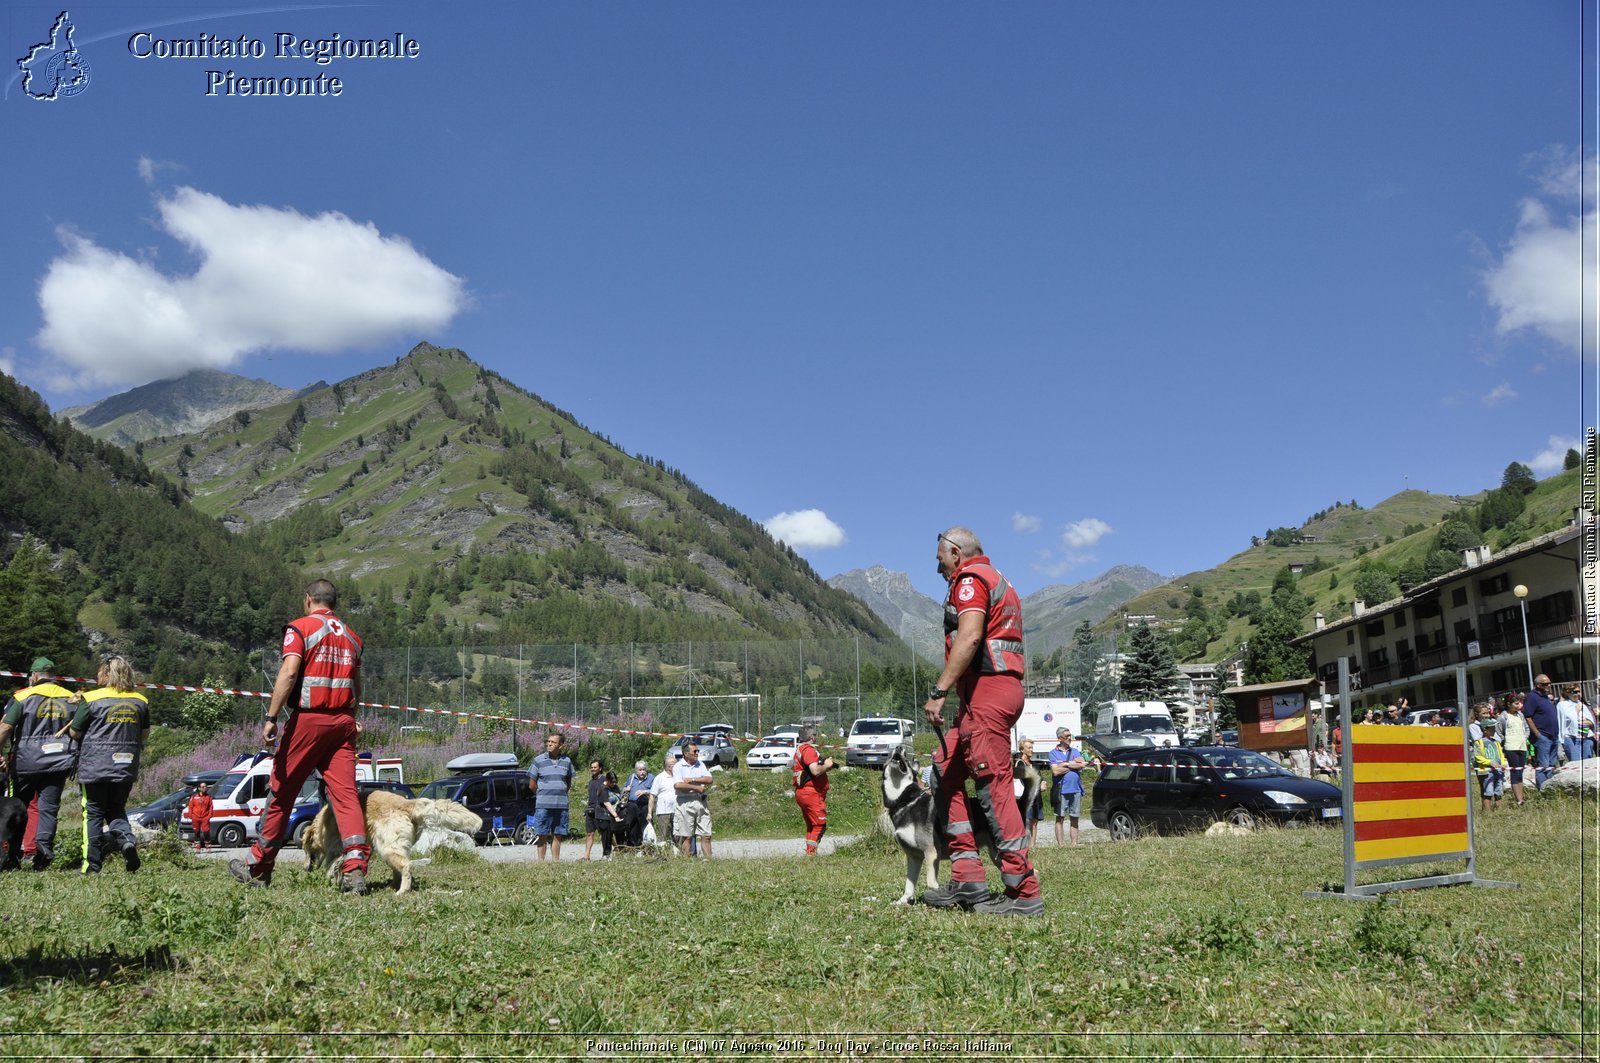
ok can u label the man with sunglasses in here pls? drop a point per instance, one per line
(1545, 723)
(984, 668)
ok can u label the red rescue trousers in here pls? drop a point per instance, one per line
(979, 748)
(323, 741)
(814, 807)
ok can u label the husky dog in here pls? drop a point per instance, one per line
(909, 816)
(394, 825)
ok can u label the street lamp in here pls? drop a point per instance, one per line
(1521, 591)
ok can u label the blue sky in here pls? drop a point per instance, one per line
(1109, 283)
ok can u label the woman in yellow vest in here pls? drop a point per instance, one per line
(112, 725)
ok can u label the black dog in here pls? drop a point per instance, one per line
(13, 822)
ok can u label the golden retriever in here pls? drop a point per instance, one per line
(393, 825)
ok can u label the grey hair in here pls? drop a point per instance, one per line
(965, 538)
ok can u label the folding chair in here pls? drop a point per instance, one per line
(499, 833)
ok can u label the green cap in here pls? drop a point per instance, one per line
(42, 664)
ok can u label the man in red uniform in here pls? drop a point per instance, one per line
(811, 786)
(321, 677)
(983, 664)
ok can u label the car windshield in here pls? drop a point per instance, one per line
(1147, 723)
(172, 800)
(227, 784)
(1243, 764)
(876, 727)
(778, 740)
(440, 789)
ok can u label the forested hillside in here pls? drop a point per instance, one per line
(94, 537)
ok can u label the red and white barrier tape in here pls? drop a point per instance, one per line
(400, 708)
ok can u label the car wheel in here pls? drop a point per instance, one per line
(523, 835)
(230, 836)
(1122, 827)
(298, 839)
(1240, 816)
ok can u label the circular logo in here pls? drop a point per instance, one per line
(288, 639)
(67, 74)
(965, 593)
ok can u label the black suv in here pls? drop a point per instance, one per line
(501, 794)
(1175, 789)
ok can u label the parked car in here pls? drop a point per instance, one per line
(306, 809)
(491, 785)
(1105, 747)
(873, 738)
(775, 751)
(716, 749)
(1178, 789)
(163, 811)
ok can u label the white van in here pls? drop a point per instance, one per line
(873, 738)
(1040, 719)
(1149, 718)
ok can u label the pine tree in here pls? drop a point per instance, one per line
(37, 615)
(1086, 679)
(1269, 657)
(1151, 671)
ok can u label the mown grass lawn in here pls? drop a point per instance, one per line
(1195, 946)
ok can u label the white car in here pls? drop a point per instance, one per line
(775, 752)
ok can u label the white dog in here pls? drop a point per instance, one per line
(394, 824)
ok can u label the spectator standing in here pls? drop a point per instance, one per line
(664, 802)
(1512, 730)
(1488, 759)
(111, 727)
(36, 720)
(637, 794)
(199, 811)
(692, 821)
(1567, 717)
(550, 779)
(1545, 724)
(1066, 791)
(1035, 810)
(319, 680)
(1586, 723)
(609, 814)
(810, 776)
(591, 805)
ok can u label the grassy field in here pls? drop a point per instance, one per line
(1161, 947)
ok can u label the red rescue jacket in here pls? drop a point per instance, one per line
(1000, 652)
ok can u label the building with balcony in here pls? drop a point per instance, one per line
(1410, 647)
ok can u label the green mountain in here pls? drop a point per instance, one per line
(461, 500)
(168, 407)
(102, 552)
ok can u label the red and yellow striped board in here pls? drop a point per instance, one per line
(1409, 792)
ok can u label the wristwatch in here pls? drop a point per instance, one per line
(937, 694)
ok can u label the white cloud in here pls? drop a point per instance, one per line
(8, 360)
(1554, 455)
(1082, 534)
(1502, 393)
(1536, 283)
(1023, 524)
(268, 278)
(806, 529)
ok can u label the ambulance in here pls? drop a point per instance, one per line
(240, 796)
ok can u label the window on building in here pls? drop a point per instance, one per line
(1400, 619)
(1551, 609)
(1402, 649)
(1350, 637)
(1374, 628)
(1427, 608)
(1495, 584)
(1378, 658)
(1444, 690)
(1564, 669)
(1458, 597)
(1511, 677)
